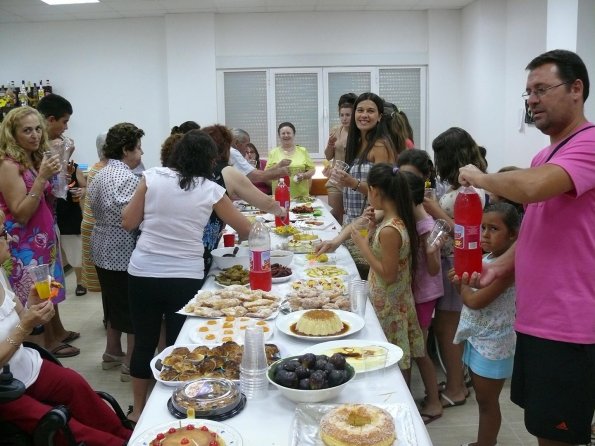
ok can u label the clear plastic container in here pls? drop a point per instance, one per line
(208, 397)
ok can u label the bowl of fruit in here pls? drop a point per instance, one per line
(311, 378)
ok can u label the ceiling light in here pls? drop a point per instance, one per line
(68, 2)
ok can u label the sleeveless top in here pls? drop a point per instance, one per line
(171, 233)
(25, 364)
(34, 243)
(490, 329)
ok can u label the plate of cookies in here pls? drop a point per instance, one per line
(235, 300)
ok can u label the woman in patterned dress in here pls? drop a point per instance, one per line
(25, 198)
(392, 264)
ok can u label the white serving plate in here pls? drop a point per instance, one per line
(230, 436)
(164, 353)
(355, 322)
(395, 353)
(305, 428)
(282, 279)
(220, 325)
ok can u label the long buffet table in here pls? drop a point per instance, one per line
(268, 421)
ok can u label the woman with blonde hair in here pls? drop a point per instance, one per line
(26, 199)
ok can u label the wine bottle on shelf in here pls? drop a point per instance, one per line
(40, 91)
(23, 98)
(48, 87)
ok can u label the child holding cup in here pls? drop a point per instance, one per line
(392, 262)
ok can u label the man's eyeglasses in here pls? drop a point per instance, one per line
(540, 92)
(4, 233)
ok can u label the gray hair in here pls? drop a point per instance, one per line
(240, 135)
(99, 143)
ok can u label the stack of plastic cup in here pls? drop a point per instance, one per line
(253, 369)
(358, 296)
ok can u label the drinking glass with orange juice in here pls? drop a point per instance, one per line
(42, 280)
(362, 224)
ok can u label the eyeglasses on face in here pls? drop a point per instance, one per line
(4, 233)
(541, 91)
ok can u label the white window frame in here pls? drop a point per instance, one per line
(324, 108)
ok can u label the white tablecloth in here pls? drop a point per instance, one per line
(267, 422)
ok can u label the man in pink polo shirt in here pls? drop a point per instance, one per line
(554, 258)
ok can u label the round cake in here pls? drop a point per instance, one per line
(319, 323)
(357, 425)
(188, 435)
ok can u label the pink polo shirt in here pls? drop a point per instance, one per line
(555, 252)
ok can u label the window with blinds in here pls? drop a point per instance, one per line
(297, 101)
(402, 87)
(259, 100)
(246, 105)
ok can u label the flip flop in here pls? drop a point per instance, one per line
(451, 403)
(59, 352)
(72, 335)
(427, 418)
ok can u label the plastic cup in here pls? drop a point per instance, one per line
(361, 224)
(375, 360)
(229, 240)
(338, 166)
(253, 368)
(441, 229)
(254, 357)
(42, 280)
(358, 296)
(430, 192)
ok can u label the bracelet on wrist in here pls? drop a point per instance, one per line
(12, 342)
(23, 330)
(355, 189)
(33, 195)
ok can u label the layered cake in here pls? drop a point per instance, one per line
(319, 323)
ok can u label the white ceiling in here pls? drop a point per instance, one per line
(37, 11)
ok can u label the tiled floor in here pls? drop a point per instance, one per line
(457, 425)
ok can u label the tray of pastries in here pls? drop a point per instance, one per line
(235, 300)
(178, 364)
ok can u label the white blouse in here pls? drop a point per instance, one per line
(25, 364)
(170, 244)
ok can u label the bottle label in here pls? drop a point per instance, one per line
(260, 261)
(466, 237)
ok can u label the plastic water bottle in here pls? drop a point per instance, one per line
(253, 368)
(259, 241)
(282, 197)
(467, 232)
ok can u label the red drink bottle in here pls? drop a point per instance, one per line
(259, 241)
(282, 197)
(467, 232)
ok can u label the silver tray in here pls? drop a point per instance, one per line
(306, 422)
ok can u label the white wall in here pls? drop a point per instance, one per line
(158, 72)
(110, 70)
(445, 89)
(586, 49)
(321, 39)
